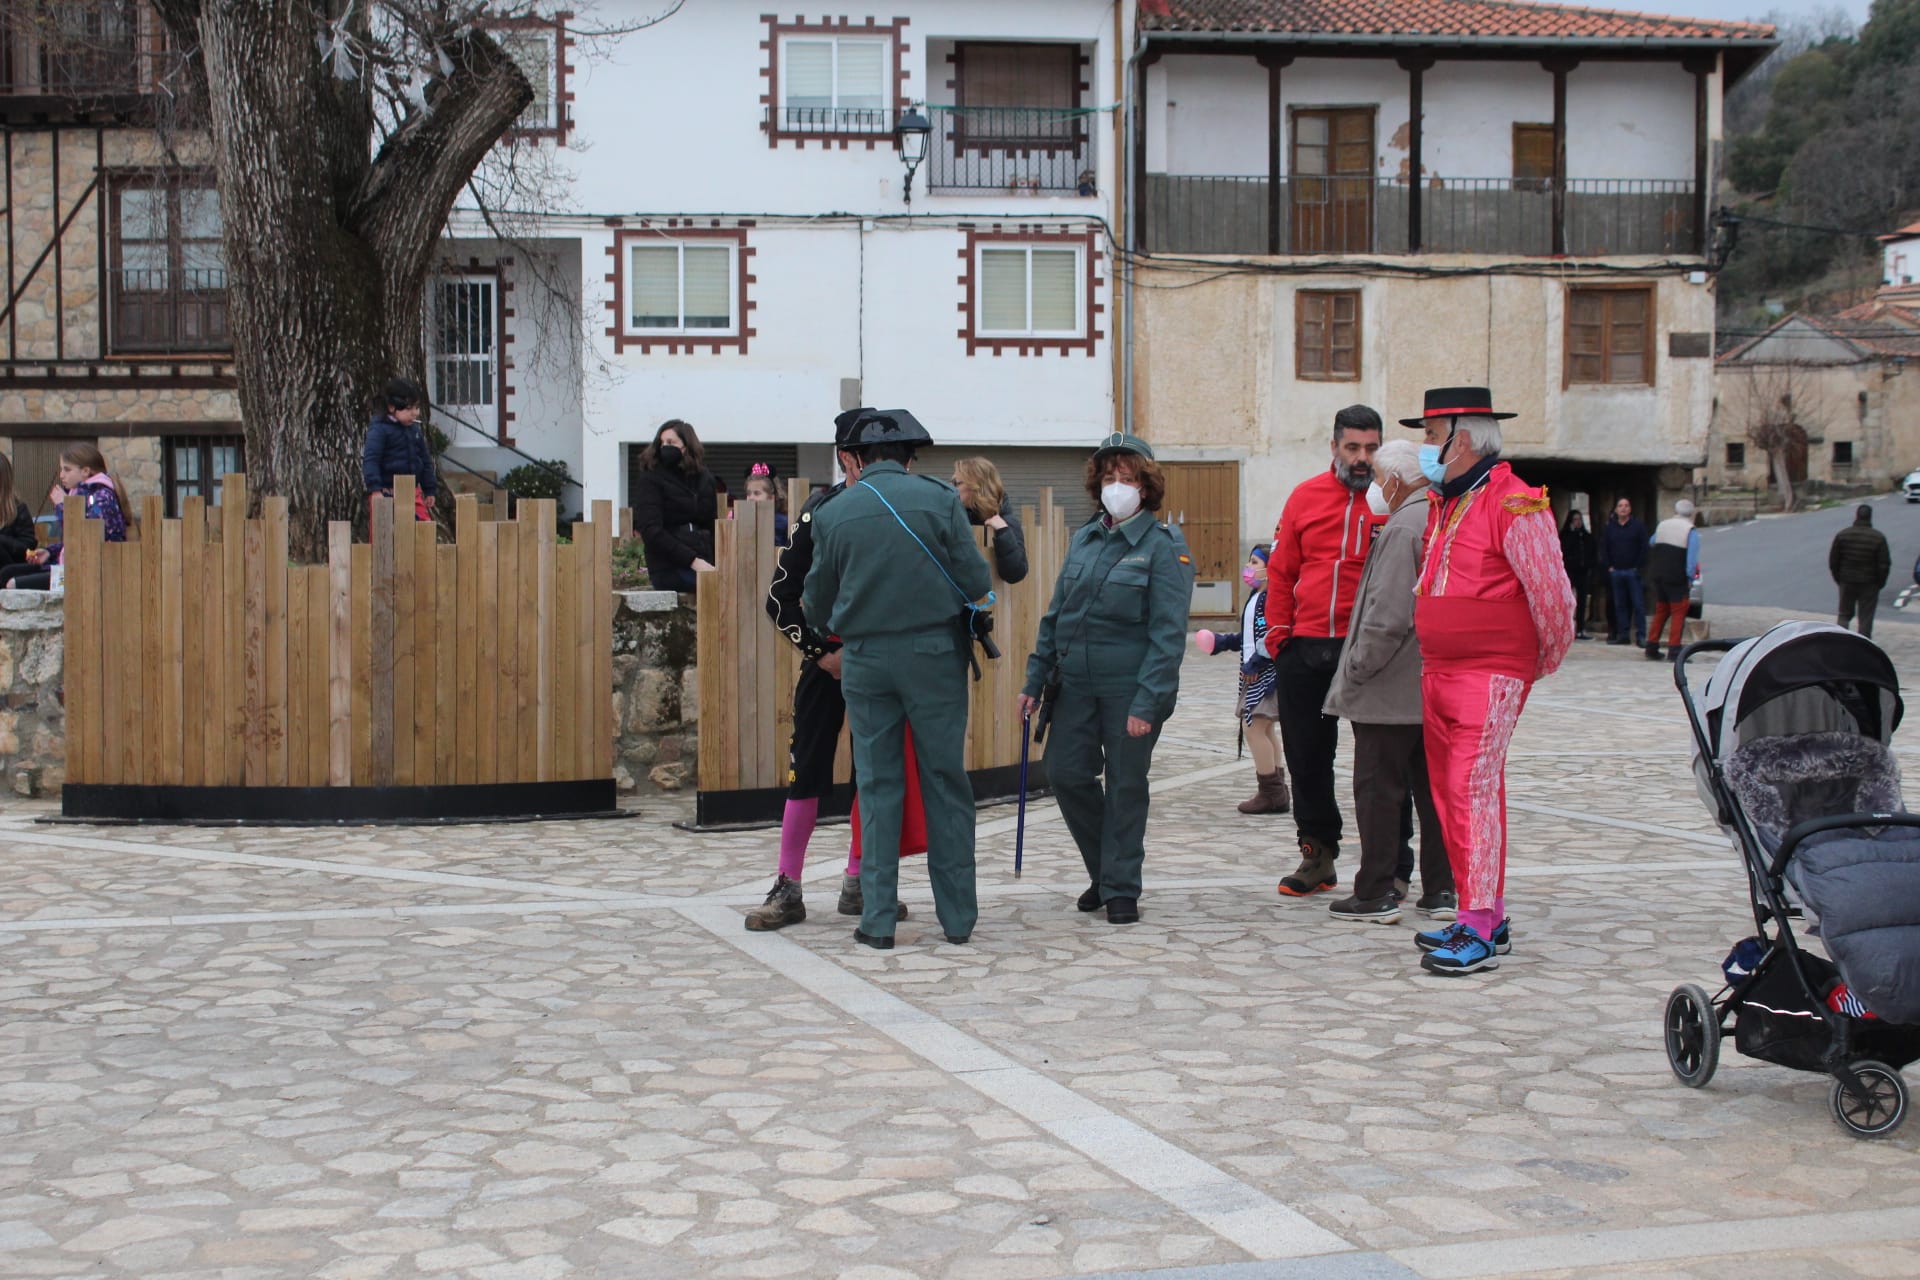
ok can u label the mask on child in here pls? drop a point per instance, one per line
(1377, 500)
(1120, 499)
(1253, 575)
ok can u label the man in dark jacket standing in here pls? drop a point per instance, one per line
(1623, 553)
(1859, 562)
(397, 446)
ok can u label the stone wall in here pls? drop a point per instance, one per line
(655, 693)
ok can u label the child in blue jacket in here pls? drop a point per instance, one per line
(1259, 701)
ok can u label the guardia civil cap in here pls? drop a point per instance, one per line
(846, 427)
(891, 426)
(1122, 442)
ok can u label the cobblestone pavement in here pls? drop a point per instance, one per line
(542, 1050)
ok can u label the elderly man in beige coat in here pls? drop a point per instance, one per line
(1376, 689)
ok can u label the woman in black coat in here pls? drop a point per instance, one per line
(674, 507)
(16, 519)
(1576, 551)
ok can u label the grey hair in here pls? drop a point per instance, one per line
(1401, 460)
(1482, 433)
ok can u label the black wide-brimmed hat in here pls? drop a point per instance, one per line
(1457, 402)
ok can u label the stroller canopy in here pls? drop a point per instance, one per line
(1799, 677)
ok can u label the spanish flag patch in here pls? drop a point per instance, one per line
(1523, 505)
(1186, 559)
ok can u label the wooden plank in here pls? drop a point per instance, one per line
(339, 653)
(319, 673)
(466, 523)
(719, 764)
(426, 640)
(404, 524)
(148, 729)
(379, 671)
(84, 676)
(526, 615)
(169, 763)
(507, 646)
(602, 588)
(114, 672)
(542, 616)
(566, 763)
(485, 610)
(361, 650)
(626, 522)
(193, 647)
(299, 659)
(254, 653)
(273, 519)
(446, 573)
(579, 715)
(233, 674)
(213, 664)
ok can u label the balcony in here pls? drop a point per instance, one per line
(61, 55)
(1506, 216)
(973, 150)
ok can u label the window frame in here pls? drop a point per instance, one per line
(681, 340)
(1736, 455)
(1071, 139)
(1027, 248)
(1302, 299)
(208, 480)
(1532, 181)
(493, 423)
(1087, 305)
(1839, 463)
(1609, 293)
(172, 182)
(559, 97)
(893, 79)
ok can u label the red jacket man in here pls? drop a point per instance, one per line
(1319, 552)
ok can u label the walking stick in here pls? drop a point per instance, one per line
(1020, 822)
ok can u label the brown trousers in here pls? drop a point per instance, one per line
(1389, 762)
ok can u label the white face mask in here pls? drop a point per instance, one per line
(1377, 499)
(1120, 499)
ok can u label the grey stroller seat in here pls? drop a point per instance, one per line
(1787, 779)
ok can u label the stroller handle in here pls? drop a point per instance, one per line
(1800, 831)
(1698, 646)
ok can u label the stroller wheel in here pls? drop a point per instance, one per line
(1869, 1099)
(1693, 1035)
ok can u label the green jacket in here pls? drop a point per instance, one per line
(870, 578)
(1859, 556)
(1118, 621)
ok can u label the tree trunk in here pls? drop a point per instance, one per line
(1783, 477)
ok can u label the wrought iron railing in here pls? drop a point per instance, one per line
(1598, 216)
(1016, 150)
(832, 121)
(79, 48)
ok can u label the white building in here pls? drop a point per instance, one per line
(1900, 274)
(736, 232)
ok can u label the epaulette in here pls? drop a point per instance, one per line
(1525, 504)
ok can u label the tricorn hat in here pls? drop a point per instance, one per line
(846, 427)
(890, 426)
(1456, 402)
(1122, 442)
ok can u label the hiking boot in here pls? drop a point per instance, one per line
(1314, 873)
(1464, 952)
(853, 902)
(1272, 797)
(782, 907)
(1443, 905)
(1366, 911)
(1434, 939)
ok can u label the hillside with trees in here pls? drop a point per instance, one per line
(1823, 154)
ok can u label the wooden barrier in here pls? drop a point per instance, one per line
(748, 669)
(405, 679)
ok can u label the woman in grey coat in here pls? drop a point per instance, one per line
(1376, 689)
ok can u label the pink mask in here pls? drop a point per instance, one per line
(1253, 575)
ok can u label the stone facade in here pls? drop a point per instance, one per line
(33, 747)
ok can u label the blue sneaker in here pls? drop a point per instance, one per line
(1434, 939)
(1464, 952)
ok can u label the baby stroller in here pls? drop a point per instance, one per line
(1790, 754)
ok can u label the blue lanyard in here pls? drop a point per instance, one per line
(929, 550)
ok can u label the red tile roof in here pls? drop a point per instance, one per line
(1912, 229)
(1459, 19)
(1872, 329)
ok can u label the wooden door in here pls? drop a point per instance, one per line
(1203, 502)
(1796, 448)
(1330, 181)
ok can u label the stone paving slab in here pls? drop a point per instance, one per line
(549, 1049)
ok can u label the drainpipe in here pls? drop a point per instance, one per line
(1129, 220)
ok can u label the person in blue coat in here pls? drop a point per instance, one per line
(397, 446)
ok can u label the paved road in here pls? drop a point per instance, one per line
(1781, 561)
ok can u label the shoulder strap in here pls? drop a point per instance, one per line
(964, 598)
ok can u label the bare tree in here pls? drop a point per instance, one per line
(1782, 406)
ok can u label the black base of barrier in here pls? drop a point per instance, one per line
(762, 806)
(340, 806)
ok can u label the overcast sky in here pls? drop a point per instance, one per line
(1855, 9)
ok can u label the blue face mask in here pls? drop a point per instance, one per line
(1430, 465)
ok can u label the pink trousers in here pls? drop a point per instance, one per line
(1470, 718)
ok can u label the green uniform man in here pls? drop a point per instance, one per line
(1113, 639)
(895, 570)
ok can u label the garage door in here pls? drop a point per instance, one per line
(1023, 472)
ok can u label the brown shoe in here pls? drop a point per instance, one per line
(1272, 797)
(1315, 872)
(782, 907)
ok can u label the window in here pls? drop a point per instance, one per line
(1736, 455)
(1029, 291)
(194, 466)
(1532, 157)
(71, 47)
(539, 46)
(681, 287)
(1326, 335)
(833, 80)
(168, 274)
(1842, 455)
(463, 346)
(1017, 95)
(1330, 181)
(1607, 332)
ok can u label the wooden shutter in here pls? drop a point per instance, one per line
(1532, 157)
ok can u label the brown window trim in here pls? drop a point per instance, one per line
(1042, 237)
(1648, 360)
(113, 182)
(562, 96)
(1301, 299)
(1025, 146)
(895, 32)
(680, 343)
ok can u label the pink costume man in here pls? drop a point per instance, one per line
(1494, 613)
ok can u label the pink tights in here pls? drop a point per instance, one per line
(796, 829)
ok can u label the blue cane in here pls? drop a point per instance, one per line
(1020, 823)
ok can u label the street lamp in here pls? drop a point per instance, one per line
(912, 133)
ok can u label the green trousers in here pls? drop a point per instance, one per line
(1086, 743)
(892, 681)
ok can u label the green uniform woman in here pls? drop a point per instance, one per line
(1113, 638)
